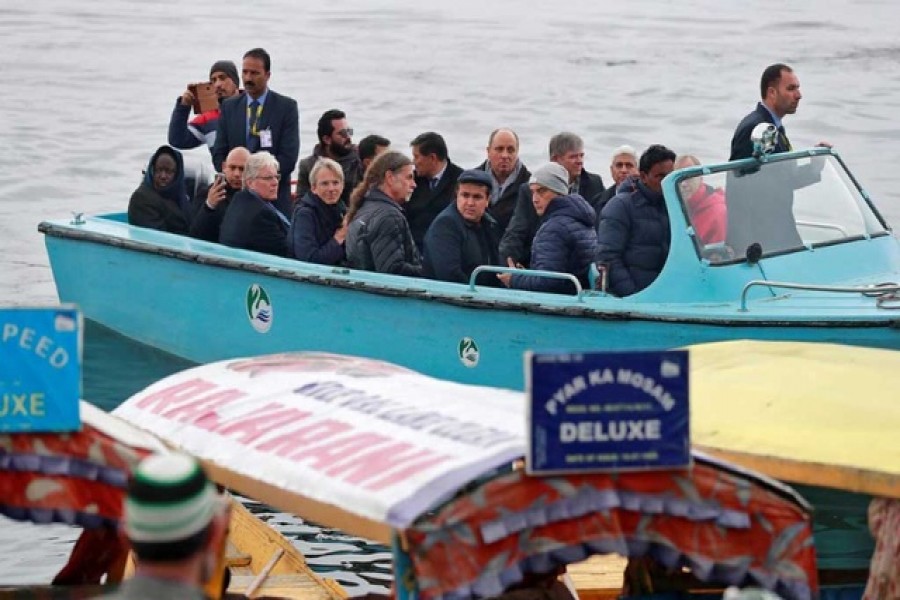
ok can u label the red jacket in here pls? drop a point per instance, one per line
(708, 213)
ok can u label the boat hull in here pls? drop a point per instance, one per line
(203, 311)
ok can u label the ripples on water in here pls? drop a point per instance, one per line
(115, 368)
(89, 86)
(357, 564)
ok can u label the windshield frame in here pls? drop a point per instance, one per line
(673, 194)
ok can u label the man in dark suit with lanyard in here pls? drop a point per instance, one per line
(761, 210)
(261, 120)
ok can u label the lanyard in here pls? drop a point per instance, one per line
(254, 122)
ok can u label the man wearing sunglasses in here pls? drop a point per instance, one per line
(335, 142)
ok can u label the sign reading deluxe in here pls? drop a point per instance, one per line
(40, 369)
(598, 411)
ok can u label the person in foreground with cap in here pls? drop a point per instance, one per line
(463, 235)
(633, 236)
(566, 241)
(174, 522)
(223, 76)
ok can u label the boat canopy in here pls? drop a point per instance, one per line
(77, 478)
(370, 448)
(729, 526)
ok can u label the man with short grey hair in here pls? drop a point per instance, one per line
(623, 165)
(566, 149)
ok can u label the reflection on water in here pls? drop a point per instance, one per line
(116, 367)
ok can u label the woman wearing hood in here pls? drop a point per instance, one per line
(161, 201)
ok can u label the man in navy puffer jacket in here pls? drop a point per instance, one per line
(566, 241)
(633, 236)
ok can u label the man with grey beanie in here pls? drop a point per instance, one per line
(566, 149)
(223, 76)
(565, 242)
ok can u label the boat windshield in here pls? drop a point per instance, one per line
(781, 206)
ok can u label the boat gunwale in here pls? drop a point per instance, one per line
(576, 308)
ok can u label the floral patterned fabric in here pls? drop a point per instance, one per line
(727, 525)
(76, 478)
(884, 572)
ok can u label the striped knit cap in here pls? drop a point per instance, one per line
(169, 500)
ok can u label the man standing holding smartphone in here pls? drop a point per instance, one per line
(214, 202)
(223, 77)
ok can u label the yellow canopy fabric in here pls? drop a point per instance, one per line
(823, 414)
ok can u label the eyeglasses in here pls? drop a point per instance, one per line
(346, 132)
(268, 178)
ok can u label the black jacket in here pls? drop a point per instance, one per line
(516, 241)
(566, 242)
(313, 225)
(206, 222)
(252, 223)
(378, 238)
(741, 146)
(426, 204)
(634, 237)
(454, 247)
(590, 187)
(280, 116)
(502, 210)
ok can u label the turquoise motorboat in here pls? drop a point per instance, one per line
(807, 258)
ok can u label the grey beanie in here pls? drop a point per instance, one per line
(227, 67)
(552, 176)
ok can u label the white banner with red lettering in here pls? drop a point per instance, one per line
(368, 437)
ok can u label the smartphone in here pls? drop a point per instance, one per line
(219, 178)
(205, 98)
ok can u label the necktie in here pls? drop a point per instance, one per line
(253, 119)
(784, 139)
(434, 182)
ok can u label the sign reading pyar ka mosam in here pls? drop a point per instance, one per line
(40, 369)
(607, 411)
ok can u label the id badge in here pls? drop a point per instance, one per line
(265, 138)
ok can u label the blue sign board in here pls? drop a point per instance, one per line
(40, 369)
(607, 411)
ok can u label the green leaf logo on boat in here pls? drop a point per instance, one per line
(259, 308)
(468, 352)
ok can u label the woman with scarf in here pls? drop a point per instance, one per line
(317, 227)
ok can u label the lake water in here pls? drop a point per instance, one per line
(88, 87)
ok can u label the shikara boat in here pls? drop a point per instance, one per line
(429, 467)
(80, 479)
(808, 258)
